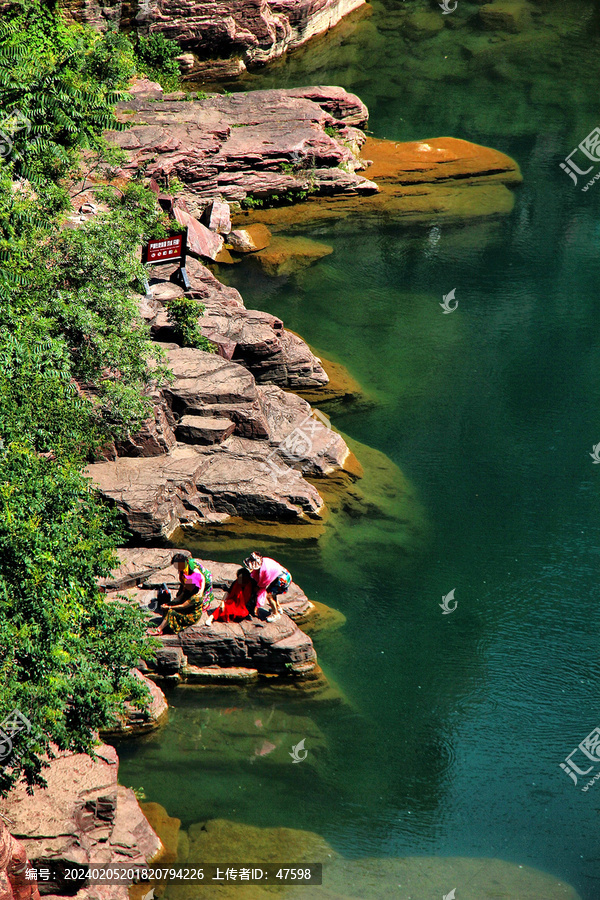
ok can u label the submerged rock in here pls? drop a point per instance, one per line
(438, 178)
(419, 878)
(506, 15)
(166, 827)
(287, 255)
(250, 239)
(248, 735)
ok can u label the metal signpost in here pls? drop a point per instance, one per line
(170, 249)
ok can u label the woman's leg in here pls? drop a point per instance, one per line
(160, 628)
(275, 611)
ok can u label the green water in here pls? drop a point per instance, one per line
(455, 725)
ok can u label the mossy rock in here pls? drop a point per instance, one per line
(166, 827)
(421, 25)
(420, 878)
(321, 618)
(288, 255)
(510, 16)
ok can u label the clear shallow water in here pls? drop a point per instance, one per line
(455, 727)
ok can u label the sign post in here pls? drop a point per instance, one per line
(170, 249)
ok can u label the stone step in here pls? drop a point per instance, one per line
(204, 429)
(219, 674)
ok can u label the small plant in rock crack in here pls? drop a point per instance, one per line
(252, 203)
(183, 314)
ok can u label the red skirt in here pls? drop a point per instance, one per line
(235, 605)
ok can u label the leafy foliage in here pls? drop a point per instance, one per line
(156, 56)
(58, 87)
(73, 332)
(65, 655)
(76, 364)
(183, 313)
(67, 319)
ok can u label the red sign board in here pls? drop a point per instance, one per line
(164, 250)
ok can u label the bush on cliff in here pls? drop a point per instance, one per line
(156, 56)
(183, 314)
(67, 320)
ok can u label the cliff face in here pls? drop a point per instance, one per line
(82, 816)
(13, 862)
(255, 31)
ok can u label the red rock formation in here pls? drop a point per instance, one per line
(13, 864)
(259, 144)
(83, 816)
(232, 34)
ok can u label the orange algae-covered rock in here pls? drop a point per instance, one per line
(435, 160)
(419, 181)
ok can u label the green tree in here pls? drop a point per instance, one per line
(156, 56)
(65, 654)
(76, 364)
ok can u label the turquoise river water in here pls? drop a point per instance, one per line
(455, 726)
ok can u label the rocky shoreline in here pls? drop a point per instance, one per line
(230, 440)
(220, 39)
(82, 816)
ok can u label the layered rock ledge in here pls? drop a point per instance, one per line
(83, 816)
(249, 145)
(221, 446)
(230, 35)
(223, 652)
(264, 148)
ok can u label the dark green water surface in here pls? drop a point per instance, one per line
(455, 725)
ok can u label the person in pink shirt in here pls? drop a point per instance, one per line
(272, 580)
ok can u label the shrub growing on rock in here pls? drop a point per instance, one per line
(183, 314)
(157, 57)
